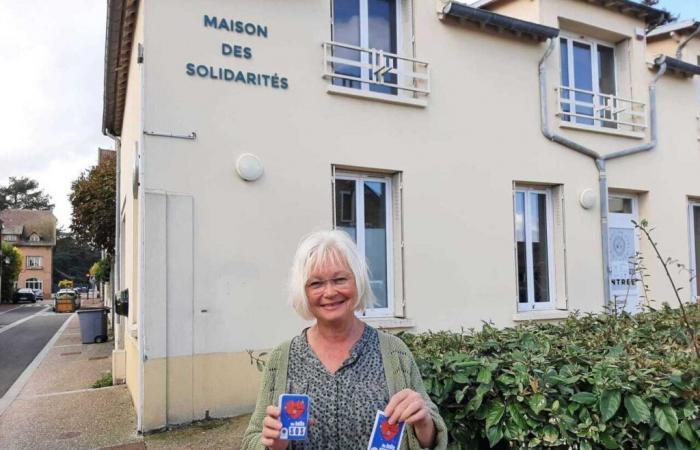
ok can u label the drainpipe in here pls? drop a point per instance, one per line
(117, 236)
(679, 50)
(600, 160)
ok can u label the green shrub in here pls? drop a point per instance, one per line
(104, 381)
(590, 382)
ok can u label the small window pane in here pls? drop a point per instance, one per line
(620, 205)
(346, 29)
(540, 252)
(583, 79)
(565, 94)
(606, 67)
(376, 239)
(521, 246)
(345, 207)
(382, 36)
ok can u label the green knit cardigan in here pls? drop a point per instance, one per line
(400, 370)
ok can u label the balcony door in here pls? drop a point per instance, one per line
(588, 82)
(366, 24)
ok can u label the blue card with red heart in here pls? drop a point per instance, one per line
(294, 416)
(385, 436)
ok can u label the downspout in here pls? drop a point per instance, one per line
(116, 283)
(600, 160)
(681, 46)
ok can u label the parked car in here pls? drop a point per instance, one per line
(39, 294)
(24, 295)
(70, 292)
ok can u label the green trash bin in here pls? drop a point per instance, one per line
(93, 325)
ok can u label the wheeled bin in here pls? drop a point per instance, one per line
(93, 325)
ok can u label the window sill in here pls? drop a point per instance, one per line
(388, 322)
(386, 98)
(602, 130)
(556, 314)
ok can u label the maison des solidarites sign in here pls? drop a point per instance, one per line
(238, 52)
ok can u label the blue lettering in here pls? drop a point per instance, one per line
(226, 49)
(202, 71)
(251, 78)
(239, 27)
(247, 53)
(250, 29)
(224, 25)
(210, 21)
(229, 75)
(240, 77)
(262, 31)
(190, 69)
(284, 83)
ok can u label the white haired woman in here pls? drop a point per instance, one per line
(347, 368)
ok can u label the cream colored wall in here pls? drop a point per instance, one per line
(130, 141)
(522, 9)
(459, 158)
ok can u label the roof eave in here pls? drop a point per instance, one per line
(499, 22)
(677, 66)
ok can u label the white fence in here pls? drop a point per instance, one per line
(594, 109)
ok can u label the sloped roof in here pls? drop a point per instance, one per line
(647, 13)
(24, 222)
(662, 31)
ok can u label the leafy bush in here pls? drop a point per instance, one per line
(104, 381)
(9, 270)
(590, 382)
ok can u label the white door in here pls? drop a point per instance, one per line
(623, 246)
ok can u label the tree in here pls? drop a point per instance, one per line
(650, 2)
(93, 200)
(10, 270)
(72, 258)
(24, 193)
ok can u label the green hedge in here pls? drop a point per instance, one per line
(590, 382)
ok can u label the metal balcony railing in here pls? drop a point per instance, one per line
(582, 107)
(375, 70)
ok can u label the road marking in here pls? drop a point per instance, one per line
(16, 307)
(19, 383)
(78, 391)
(20, 321)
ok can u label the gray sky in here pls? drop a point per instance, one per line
(52, 55)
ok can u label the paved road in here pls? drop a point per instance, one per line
(18, 312)
(20, 344)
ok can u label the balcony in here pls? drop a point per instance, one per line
(588, 110)
(375, 74)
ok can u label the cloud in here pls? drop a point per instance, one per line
(51, 90)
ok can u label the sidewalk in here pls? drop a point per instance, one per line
(58, 409)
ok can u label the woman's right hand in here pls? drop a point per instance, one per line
(271, 430)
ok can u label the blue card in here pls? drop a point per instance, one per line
(385, 436)
(294, 416)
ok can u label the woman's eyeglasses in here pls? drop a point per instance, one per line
(339, 282)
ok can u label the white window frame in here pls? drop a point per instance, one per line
(359, 179)
(691, 234)
(34, 262)
(531, 305)
(34, 238)
(364, 37)
(37, 283)
(571, 38)
(10, 238)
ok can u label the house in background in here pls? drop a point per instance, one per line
(33, 233)
(488, 160)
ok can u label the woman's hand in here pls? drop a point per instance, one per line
(271, 430)
(410, 407)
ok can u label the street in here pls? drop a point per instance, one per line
(24, 331)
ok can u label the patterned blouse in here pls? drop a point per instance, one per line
(343, 404)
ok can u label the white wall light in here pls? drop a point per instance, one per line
(587, 198)
(249, 167)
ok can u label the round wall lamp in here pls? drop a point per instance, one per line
(587, 199)
(249, 167)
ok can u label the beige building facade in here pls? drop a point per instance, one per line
(488, 160)
(33, 233)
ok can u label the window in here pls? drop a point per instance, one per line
(10, 238)
(369, 24)
(588, 82)
(34, 262)
(534, 248)
(34, 238)
(695, 248)
(363, 209)
(34, 283)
